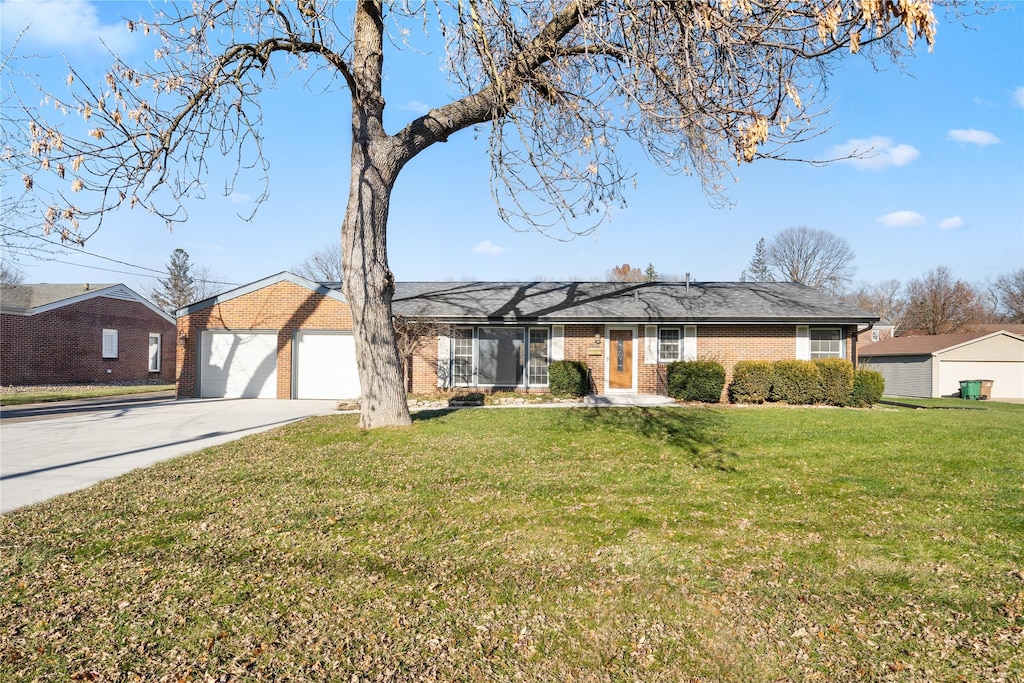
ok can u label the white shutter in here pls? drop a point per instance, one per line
(650, 344)
(690, 342)
(110, 343)
(444, 360)
(803, 342)
(558, 342)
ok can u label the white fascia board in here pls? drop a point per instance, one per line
(258, 285)
(976, 340)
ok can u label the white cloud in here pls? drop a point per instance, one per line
(1018, 97)
(415, 106)
(486, 247)
(953, 223)
(975, 137)
(239, 197)
(63, 24)
(874, 153)
(902, 219)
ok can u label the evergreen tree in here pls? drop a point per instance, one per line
(651, 275)
(758, 271)
(178, 289)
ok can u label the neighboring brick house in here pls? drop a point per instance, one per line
(287, 337)
(59, 334)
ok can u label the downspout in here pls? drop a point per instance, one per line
(870, 326)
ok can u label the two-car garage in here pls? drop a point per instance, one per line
(244, 364)
(282, 337)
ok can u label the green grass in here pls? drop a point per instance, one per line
(676, 544)
(23, 398)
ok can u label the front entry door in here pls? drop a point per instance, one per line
(620, 359)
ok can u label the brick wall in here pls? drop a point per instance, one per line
(283, 306)
(726, 344)
(65, 345)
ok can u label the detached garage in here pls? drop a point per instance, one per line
(934, 366)
(281, 337)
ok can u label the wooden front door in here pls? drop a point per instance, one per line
(620, 359)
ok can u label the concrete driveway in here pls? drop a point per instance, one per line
(50, 449)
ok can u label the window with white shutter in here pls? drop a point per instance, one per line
(154, 352)
(110, 343)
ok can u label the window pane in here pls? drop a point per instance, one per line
(154, 353)
(462, 357)
(826, 343)
(500, 356)
(538, 357)
(669, 345)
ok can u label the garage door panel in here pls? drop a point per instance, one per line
(1007, 378)
(239, 365)
(326, 366)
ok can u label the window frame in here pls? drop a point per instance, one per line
(521, 362)
(528, 374)
(155, 361)
(668, 358)
(108, 345)
(841, 342)
(463, 334)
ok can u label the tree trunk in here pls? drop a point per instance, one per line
(369, 285)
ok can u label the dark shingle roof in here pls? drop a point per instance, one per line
(27, 297)
(623, 301)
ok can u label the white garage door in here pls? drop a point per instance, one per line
(1007, 377)
(325, 366)
(239, 365)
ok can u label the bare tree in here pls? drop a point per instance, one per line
(625, 273)
(10, 274)
(816, 258)
(413, 335)
(938, 303)
(323, 265)
(885, 299)
(1009, 288)
(698, 85)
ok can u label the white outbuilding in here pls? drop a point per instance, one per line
(933, 366)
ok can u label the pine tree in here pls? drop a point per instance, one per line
(758, 270)
(651, 275)
(178, 289)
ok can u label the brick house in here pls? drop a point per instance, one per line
(287, 337)
(58, 334)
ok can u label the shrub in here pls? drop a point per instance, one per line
(868, 386)
(751, 381)
(836, 380)
(568, 378)
(696, 380)
(796, 381)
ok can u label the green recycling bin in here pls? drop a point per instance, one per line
(970, 389)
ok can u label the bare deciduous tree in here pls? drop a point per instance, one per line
(323, 265)
(10, 274)
(1009, 288)
(885, 299)
(699, 85)
(412, 334)
(816, 258)
(938, 303)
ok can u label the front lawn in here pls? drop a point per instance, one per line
(674, 544)
(72, 392)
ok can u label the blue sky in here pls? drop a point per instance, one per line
(946, 188)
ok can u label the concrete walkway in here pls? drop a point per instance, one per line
(50, 449)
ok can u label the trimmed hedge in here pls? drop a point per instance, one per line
(868, 387)
(568, 378)
(751, 381)
(696, 380)
(796, 381)
(836, 380)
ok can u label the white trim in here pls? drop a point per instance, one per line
(528, 356)
(652, 339)
(803, 342)
(155, 366)
(607, 358)
(258, 285)
(689, 342)
(557, 342)
(842, 340)
(444, 360)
